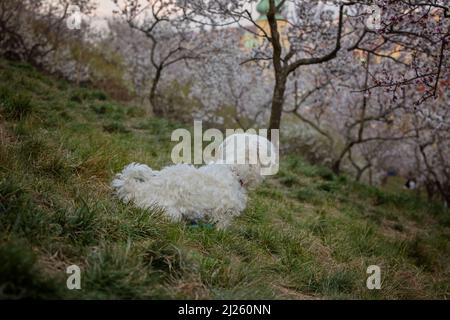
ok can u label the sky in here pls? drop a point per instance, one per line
(105, 8)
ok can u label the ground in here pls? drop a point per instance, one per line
(306, 234)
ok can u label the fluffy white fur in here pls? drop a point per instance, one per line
(214, 193)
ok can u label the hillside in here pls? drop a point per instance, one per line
(306, 233)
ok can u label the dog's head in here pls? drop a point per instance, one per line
(250, 156)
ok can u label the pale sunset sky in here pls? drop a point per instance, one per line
(105, 7)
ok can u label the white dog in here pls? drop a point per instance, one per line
(213, 193)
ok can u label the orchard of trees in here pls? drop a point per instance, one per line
(360, 86)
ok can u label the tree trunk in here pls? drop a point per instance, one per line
(337, 164)
(361, 172)
(158, 110)
(280, 72)
(277, 103)
(336, 167)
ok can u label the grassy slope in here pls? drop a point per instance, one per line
(305, 234)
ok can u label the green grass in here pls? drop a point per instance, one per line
(306, 233)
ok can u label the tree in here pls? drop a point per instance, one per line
(171, 39)
(226, 89)
(33, 30)
(317, 34)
